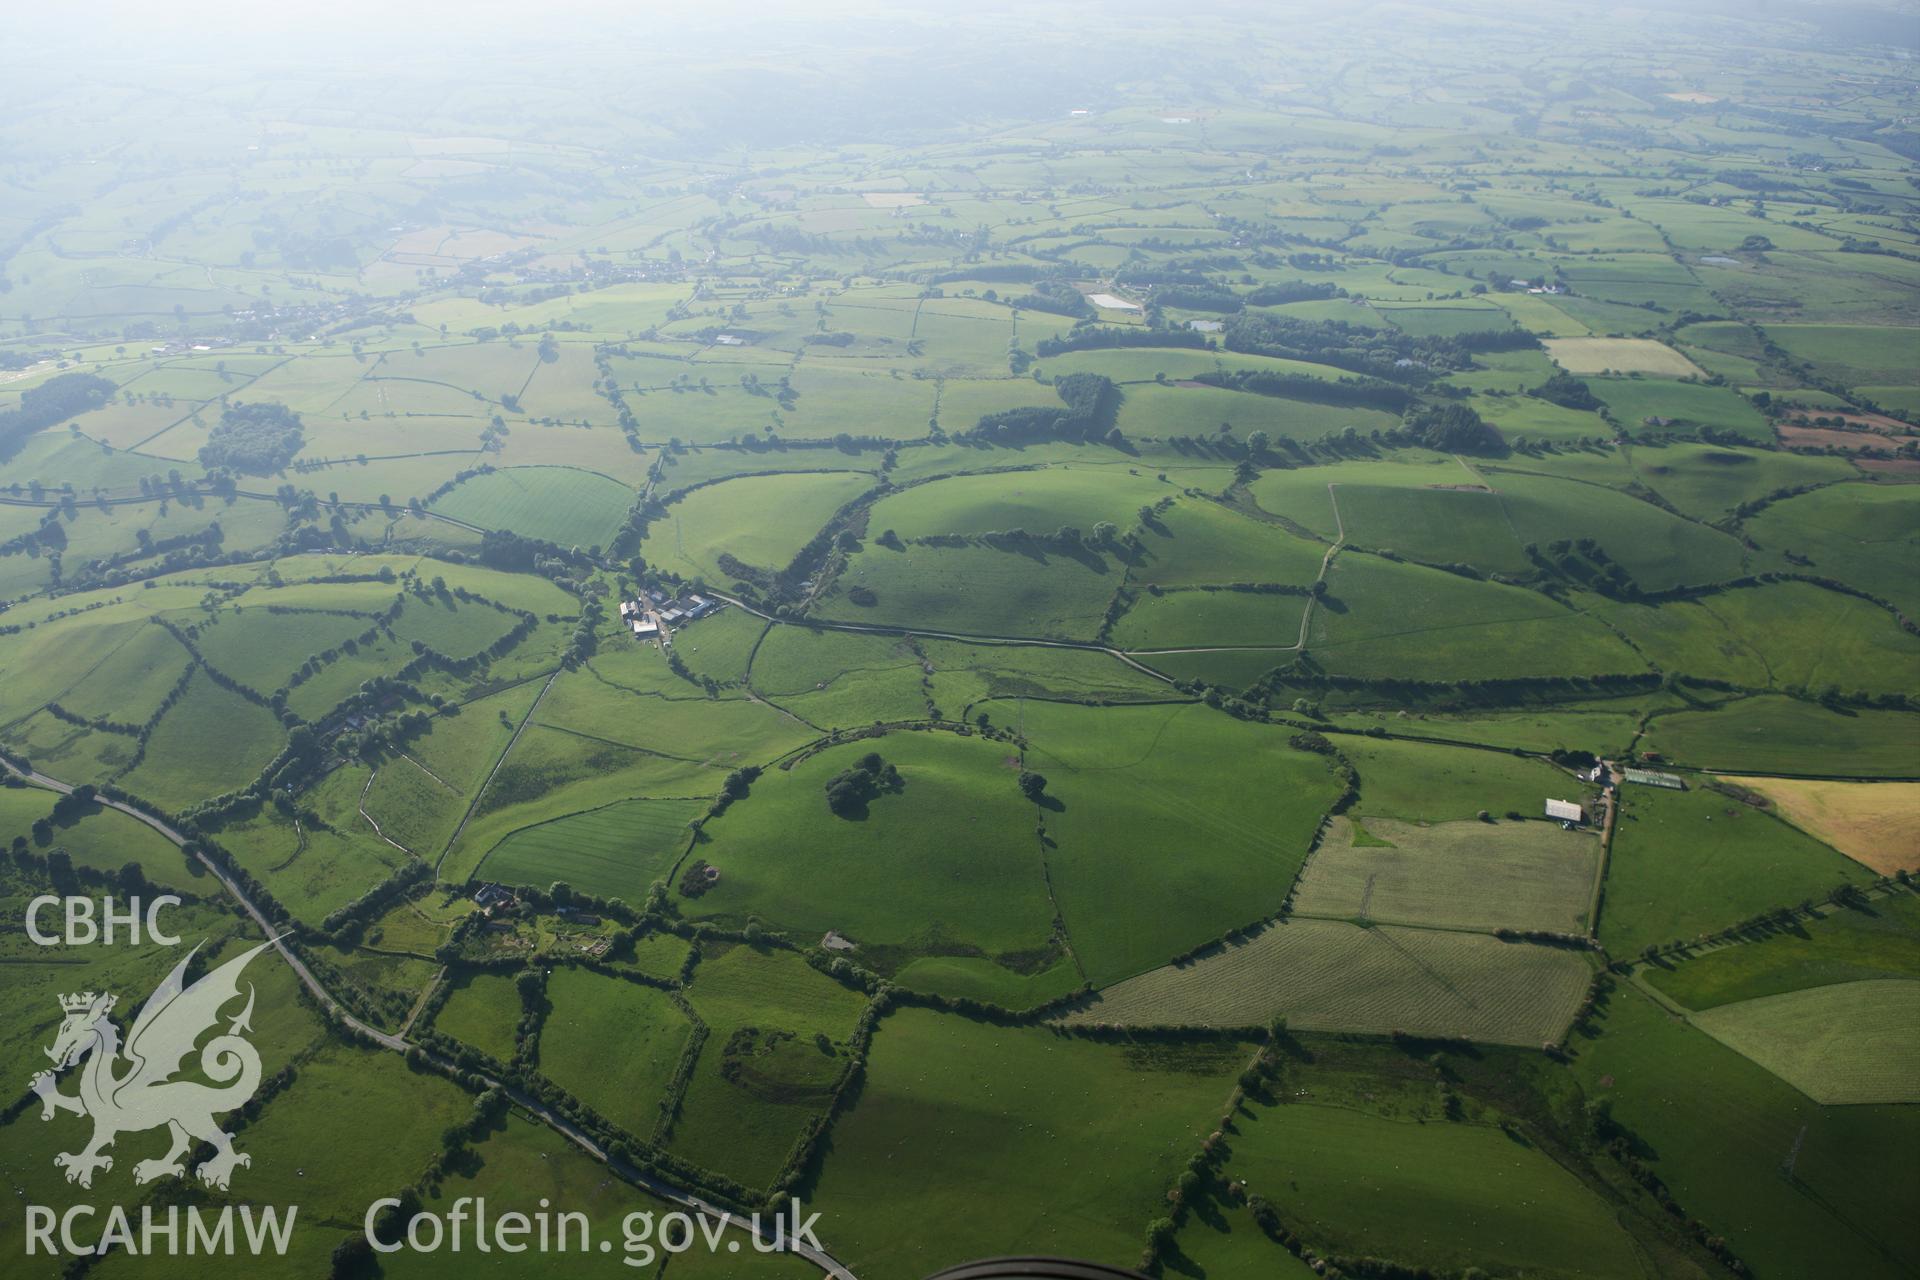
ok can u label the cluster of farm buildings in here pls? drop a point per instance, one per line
(1570, 813)
(653, 613)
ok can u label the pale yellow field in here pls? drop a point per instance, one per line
(1877, 824)
(1619, 355)
(892, 199)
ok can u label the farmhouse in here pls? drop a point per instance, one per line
(1566, 811)
(644, 630)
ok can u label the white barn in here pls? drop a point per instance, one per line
(1565, 811)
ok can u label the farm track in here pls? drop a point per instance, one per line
(399, 1044)
(430, 773)
(967, 637)
(370, 819)
(1326, 563)
(426, 993)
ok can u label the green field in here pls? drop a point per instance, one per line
(616, 851)
(1602, 727)
(759, 520)
(1426, 782)
(482, 1010)
(1182, 619)
(1768, 734)
(1719, 1119)
(212, 740)
(1438, 1194)
(978, 590)
(1037, 501)
(1860, 534)
(555, 504)
(1866, 353)
(1683, 406)
(1197, 541)
(1706, 481)
(1382, 618)
(965, 1132)
(100, 839)
(613, 1043)
(1130, 788)
(1845, 1042)
(744, 1108)
(947, 865)
(1842, 945)
(1686, 863)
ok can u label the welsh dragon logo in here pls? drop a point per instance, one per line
(126, 1089)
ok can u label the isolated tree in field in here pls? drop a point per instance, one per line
(1032, 785)
(849, 790)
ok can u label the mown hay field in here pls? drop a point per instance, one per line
(1328, 975)
(1463, 875)
(1619, 355)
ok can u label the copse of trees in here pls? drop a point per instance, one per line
(1566, 391)
(1056, 297)
(849, 790)
(1389, 354)
(1285, 291)
(1453, 428)
(1365, 392)
(1100, 338)
(255, 439)
(51, 403)
(1091, 403)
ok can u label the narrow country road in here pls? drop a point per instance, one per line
(558, 1123)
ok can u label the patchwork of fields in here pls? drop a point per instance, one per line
(1235, 648)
